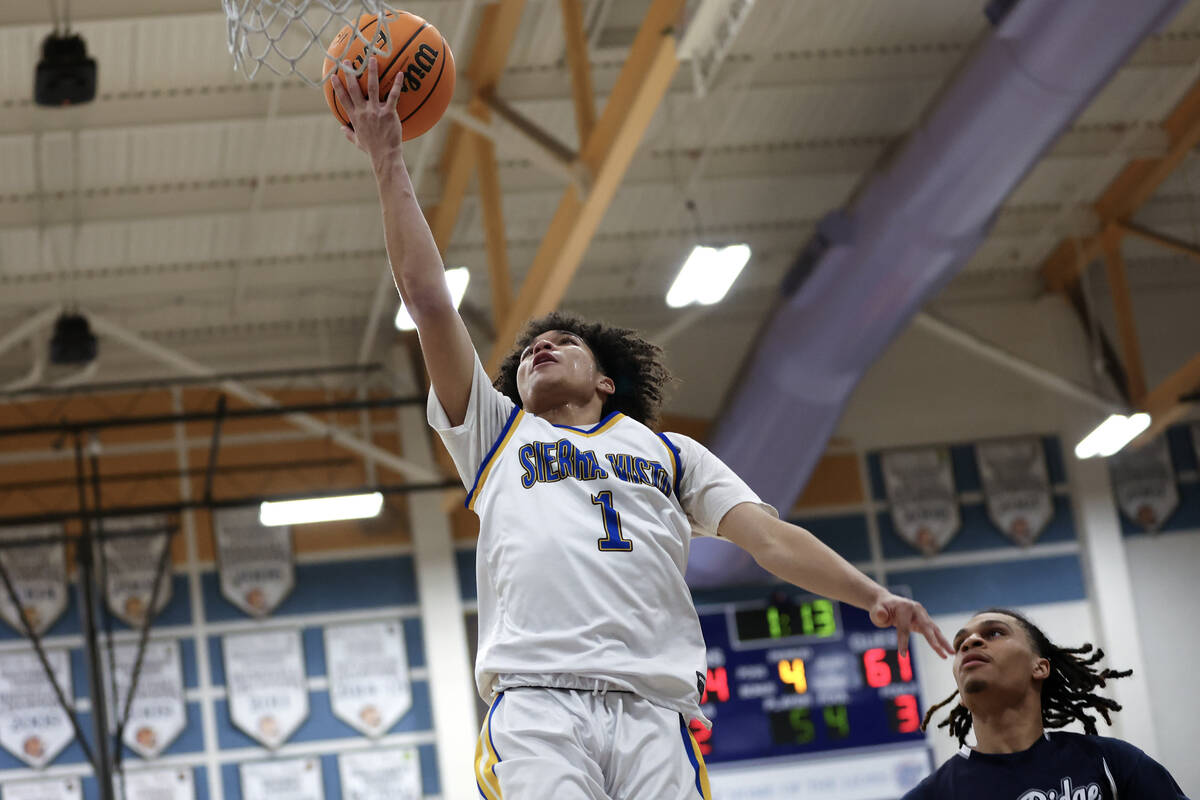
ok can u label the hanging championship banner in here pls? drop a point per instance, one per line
(920, 490)
(254, 561)
(296, 779)
(268, 692)
(33, 726)
(39, 577)
(158, 713)
(160, 784)
(1144, 482)
(132, 563)
(51, 789)
(386, 774)
(1016, 486)
(369, 686)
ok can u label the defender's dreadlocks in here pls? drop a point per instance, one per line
(1067, 694)
(634, 365)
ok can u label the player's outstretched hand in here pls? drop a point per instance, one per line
(374, 126)
(909, 616)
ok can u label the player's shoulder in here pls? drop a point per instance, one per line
(940, 782)
(1115, 750)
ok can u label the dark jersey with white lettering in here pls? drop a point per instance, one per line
(1059, 766)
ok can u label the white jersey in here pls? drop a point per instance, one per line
(584, 537)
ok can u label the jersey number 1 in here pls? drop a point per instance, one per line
(613, 541)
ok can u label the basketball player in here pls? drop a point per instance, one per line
(590, 649)
(1014, 684)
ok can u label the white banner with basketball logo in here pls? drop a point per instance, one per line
(920, 491)
(158, 713)
(268, 690)
(34, 727)
(160, 784)
(38, 574)
(369, 686)
(47, 789)
(254, 561)
(393, 773)
(1016, 487)
(295, 779)
(132, 562)
(1144, 482)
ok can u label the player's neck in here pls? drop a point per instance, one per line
(574, 414)
(1008, 728)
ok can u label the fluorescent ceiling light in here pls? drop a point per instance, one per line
(707, 275)
(457, 279)
(1111, 435)
(320, 509)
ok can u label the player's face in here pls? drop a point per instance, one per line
(558, 366)
(993, 654)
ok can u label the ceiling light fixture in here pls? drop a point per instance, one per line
(1111, 435)
(320, 509)
(456, 278)
(707, 275)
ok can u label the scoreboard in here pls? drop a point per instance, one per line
(796, 674)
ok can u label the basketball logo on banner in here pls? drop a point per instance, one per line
(39, 577)
(1144, 482)
(385, 774)
(160, 784)
(34, 727)
(295, 779)
(921, 494)
(369, 686)
(49, 789)
(132, 562)
(158, 713)
(1016, 486)
(268, 690)
(254, 561)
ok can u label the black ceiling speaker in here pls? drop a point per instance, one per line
(73, 341)
(65, 75)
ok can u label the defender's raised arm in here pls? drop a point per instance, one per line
(416, 263)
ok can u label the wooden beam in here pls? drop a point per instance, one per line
(639, 90)
(1118, 284)
(1161, 239)
(580, 66)
(493, 226)
(1165, 403)
(1129, 191)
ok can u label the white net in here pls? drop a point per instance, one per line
(290, 37)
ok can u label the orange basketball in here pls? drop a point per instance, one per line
(410, 48)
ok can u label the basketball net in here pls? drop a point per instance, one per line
(289, 37)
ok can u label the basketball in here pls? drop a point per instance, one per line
(411, 49)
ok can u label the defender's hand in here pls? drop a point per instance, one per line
(908, 616)
(374, 125)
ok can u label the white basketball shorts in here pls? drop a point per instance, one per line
(568, 744)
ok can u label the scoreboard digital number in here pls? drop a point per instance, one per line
(798, 674)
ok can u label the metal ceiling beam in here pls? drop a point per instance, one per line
(28, 328)
(644, 80)
(307, 422)
(1166, 404)
(1128, 192)
(1118, 285)
(1161, 239)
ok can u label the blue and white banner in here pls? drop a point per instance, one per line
(39, 577)
(254, 561)
(158, 713)
(34, 727)
(1016, 487)
(294, 779)
(1144, 482)
(920, 491)
(132, 562)
(47, 789)
(392, 773)
(159, 784)
(268, 688)
(369, 686)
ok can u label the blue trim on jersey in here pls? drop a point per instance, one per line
(592, 429)
(678, 461)
(687, 748)
(491, 714)
(483, 464)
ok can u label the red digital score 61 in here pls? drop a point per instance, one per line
(882, 667)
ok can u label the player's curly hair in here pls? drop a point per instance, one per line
(634, 364)
(1067, 694)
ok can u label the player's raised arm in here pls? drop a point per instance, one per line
(794, 554)
(416, 263)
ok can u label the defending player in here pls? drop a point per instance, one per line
(1014, 684)
(588, 639)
